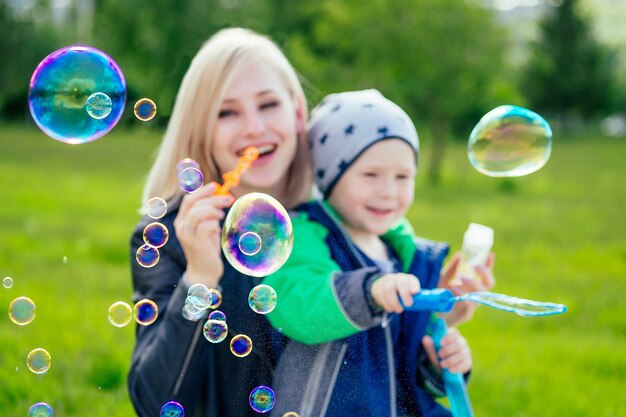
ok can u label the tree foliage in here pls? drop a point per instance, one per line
(569, 74)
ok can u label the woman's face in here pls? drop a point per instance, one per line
(258, 110)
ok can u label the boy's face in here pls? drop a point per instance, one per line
(377, 189)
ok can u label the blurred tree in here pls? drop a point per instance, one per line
(569, 75)
(23, 44)
(442, 60)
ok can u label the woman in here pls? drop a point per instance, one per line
(239, 90)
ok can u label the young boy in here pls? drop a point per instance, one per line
(354, 258)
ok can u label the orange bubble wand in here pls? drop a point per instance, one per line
(231, 178)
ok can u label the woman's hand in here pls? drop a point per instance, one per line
(454, 355)
(197, 227)
(464, 310)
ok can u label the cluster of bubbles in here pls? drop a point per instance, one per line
(77, 94)
(262, 299)
(190, 177)
(257, 236)
(145, 109)
(262, 399)
(510, 141)
(199, 299)
(40, 410)
(172, 409)
(7, 282)
(155, 234)
(38, 361)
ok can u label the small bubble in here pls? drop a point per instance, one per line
(215, 331)
(147, 256)
(172, 409)
(262, 399)
(291, 414)
(155, 234)
(22, 311)
(241, 345)
(7, 282)
(120, 314)
(186, 163)
(250, 243)
(40, 410)
(98, 105)
(190, 179)
(217, 315)
(145, 109)
(38, 361)
(156, 207)
(262, 299)
(65, 259)
(145, 312)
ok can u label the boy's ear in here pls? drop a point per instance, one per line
(300, 116)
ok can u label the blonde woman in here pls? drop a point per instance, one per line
(239, 90)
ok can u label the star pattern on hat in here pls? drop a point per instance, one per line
(320, 173)
(383, 131)
(323, 138)
(336, 108)
(343, 165)
(349, 130)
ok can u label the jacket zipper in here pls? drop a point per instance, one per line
(188, 355)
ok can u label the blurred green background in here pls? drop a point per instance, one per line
(560, 236)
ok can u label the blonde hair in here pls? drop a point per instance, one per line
(197, 105)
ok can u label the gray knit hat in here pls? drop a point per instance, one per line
(345, 125)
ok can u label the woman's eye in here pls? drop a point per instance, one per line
(270, 104)
(226, 113)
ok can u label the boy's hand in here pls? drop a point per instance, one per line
(454, 355)
(463, 311)
(386, 290)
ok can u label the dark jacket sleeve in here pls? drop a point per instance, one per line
(163, 348)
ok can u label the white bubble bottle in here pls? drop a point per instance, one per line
(477, 243)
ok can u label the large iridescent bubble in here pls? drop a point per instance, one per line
(510, 141)
(61, 85)
(264, 217)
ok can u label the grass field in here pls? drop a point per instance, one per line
(560, 235)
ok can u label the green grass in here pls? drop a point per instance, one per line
(560, 236)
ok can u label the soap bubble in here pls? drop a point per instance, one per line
(262, 299)
(291, 414)
(510, 141)
(155, 234)
(172, 409)
(145, 312)
(266, 218)
(199, 296)
(241, 345)
(250, 243)
(155, 208)
(216, 298)
(145, 109)
(217, 315)
(60, 87)
(7, 282)
(190, 179)
(22, 311)
(262, 399)
(215, 330)
(186, 163)
(98, 105)
(38, 361)
(40, 410)
(120, 314)
(147, 256)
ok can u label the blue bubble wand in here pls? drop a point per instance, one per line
(443, 300)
